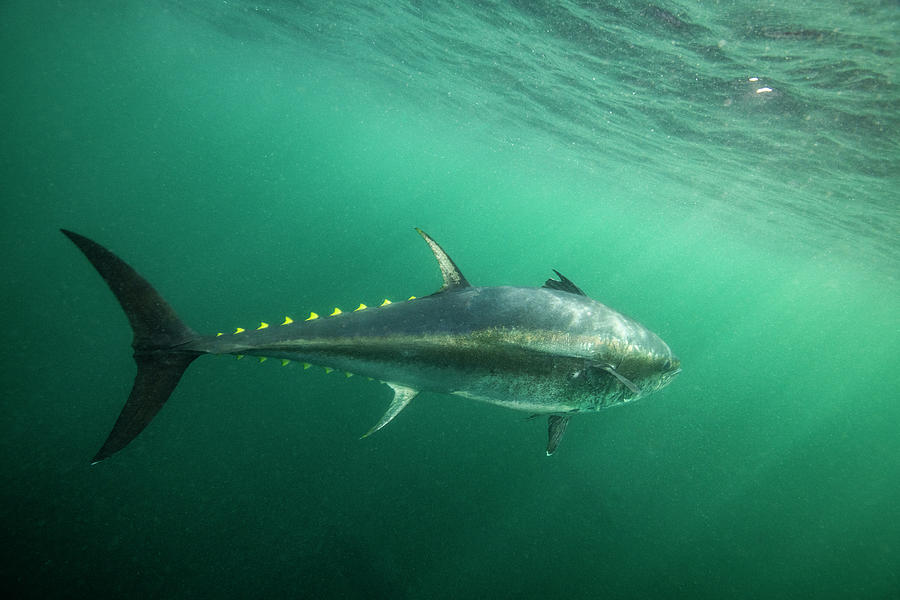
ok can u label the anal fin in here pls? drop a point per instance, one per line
(556, 427)
(402, 396)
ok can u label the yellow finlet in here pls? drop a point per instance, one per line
(360, 307)
(328, 370)
(239, 356)
(385, 303)
(287, 321)
(312, 316)
(285, 362)
(262, 325)
(411, 298)
(239, 330)
(263, 359)
(337, 311)
(306, 366)
(218, 334)
(348, 373)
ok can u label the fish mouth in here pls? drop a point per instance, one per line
(675, 368)
(669, 375)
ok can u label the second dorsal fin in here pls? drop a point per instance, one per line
(453, 278)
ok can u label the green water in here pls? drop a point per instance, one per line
(260, 159)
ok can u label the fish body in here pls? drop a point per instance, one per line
(531, 349)
(548, 350)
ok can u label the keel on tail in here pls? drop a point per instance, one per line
(158, 336)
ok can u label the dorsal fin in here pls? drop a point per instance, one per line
(564, 284)
(453, 279)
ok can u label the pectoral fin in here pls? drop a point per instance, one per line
(556, 427)
(402, 396)
(624, 380)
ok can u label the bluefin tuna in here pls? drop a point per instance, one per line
(549, 350)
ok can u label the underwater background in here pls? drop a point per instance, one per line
(724, 172)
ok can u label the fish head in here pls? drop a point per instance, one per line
(627, 361)
(639, 373)
(662, 371)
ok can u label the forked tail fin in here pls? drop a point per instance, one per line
(159, 337)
